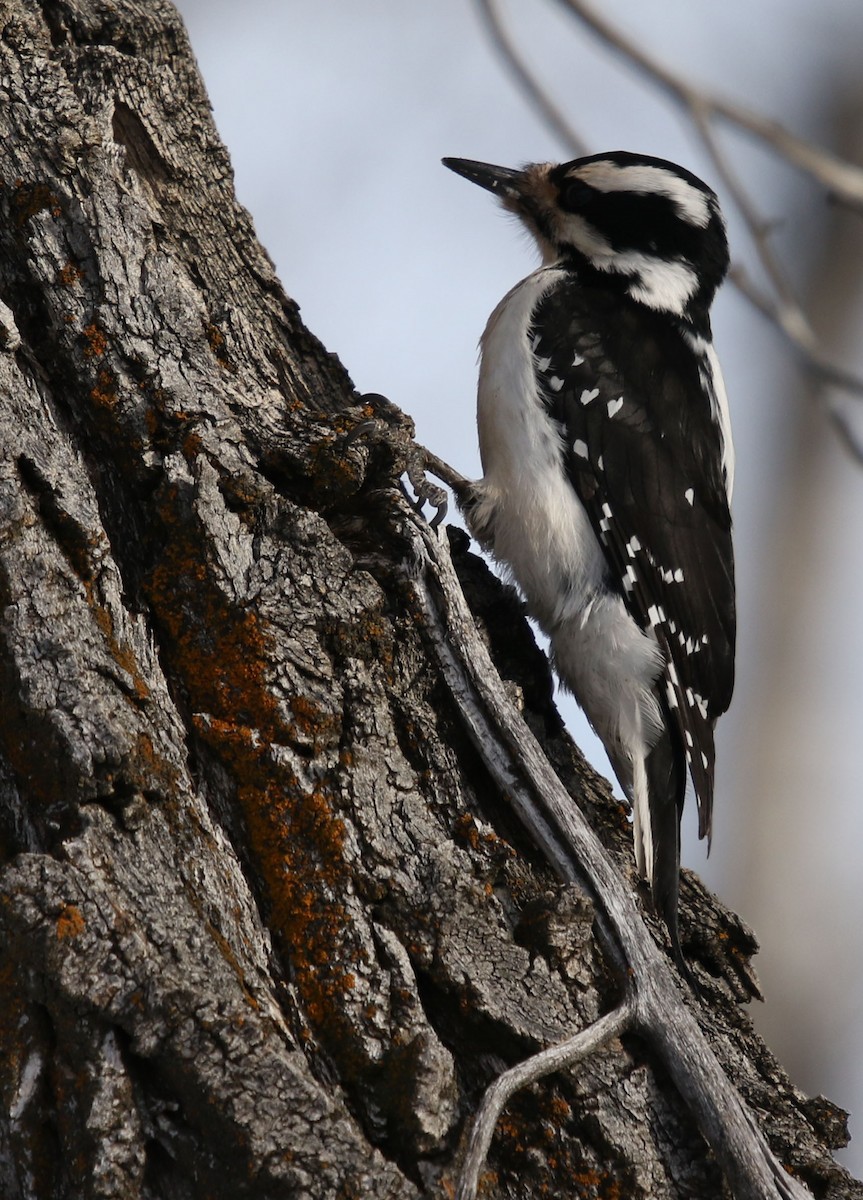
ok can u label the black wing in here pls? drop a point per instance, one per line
(643, 452)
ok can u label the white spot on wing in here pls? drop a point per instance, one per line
(580, 448)
(555, 383)
(614, 406)
(587, 396)
(689, 495)
(577, 359)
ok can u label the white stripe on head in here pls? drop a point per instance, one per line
(692, 204)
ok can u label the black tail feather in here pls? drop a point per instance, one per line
(666, 782)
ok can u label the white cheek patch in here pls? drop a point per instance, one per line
(575, 230)
(666, 286)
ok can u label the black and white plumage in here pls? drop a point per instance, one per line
(608, 468)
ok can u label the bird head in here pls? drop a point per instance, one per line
(641, 224)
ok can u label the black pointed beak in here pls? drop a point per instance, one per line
(504, 181)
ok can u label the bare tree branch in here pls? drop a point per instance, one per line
(515, 760)
(555, 1058)
(847, 435)
(526, 80)
(843, 180)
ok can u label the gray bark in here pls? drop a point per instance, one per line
(268, 927)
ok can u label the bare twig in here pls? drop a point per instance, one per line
(842, 180)
(537, 95)
(516, 761)
(555, 1058)
(847, 436)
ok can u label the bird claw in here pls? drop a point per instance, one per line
(424, 489)
(391, 425)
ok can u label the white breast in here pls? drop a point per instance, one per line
(540, 528)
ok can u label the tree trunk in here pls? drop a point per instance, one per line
(269, 926)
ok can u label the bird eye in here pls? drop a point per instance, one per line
(576, 194)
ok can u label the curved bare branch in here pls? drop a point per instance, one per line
(515, 760)
(555, 1058)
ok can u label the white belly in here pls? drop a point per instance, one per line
(535, 524)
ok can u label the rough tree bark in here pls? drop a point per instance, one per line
(268, 927)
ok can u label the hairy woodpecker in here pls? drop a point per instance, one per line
(608, 467)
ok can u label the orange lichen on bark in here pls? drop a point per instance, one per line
(295, 839)
(121, 655)
(95, 341)
(312, 725)
(32, 198)
(465, 832)
(218, 345)
(70, 922)
(221, 651)
(539, 1122)
(298, 843)
(104, 391)
(70, 274)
